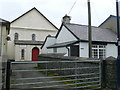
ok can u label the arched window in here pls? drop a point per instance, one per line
(22, 54)
(33, 37)
(16, 36)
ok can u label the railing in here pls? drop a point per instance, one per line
(54, 74)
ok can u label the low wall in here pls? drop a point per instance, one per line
(61, 65)
(109, 73)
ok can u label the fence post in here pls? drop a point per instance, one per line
(8, 72)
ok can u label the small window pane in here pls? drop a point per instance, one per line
(22, 54)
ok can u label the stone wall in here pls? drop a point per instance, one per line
(109, 73)
(61, 65)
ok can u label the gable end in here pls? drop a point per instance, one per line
(39, 13)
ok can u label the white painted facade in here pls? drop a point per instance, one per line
(28, 51)
(49, 41)
(4, 31)
(65, 36)
(63, 50)
(111, 50)
(4, 42)
(32, 22)
(83, 48)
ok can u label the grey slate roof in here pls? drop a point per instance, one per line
(98, 34)
(61, 44)
(28, 42)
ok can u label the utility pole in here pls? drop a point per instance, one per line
(89, 30)
(118, 43)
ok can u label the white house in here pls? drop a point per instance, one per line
(4, 31)
(27, 34)
(72, 39)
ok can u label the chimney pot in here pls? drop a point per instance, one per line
(66, 19)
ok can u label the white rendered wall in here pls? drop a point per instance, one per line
(3, 46)
(28, 52)
(83, 46)
(30, 23)
(49, 41)
(65, 36)
(33, 20)
(26, 34)
(62, 50)
(4, 41)
(111, 50)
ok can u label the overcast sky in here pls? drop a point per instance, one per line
(54, 10)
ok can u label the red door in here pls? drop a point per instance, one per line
(35, 53)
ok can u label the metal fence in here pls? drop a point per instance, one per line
(85, 74)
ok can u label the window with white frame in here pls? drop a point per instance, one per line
(99, 51)
(16, 36)
(22, 54)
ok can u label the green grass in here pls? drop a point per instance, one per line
(50, 74)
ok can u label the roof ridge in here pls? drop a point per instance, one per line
(83, 25)
(75, 24)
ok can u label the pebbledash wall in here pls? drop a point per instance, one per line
(108, 75)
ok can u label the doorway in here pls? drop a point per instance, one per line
(35, 53)
(74, 50)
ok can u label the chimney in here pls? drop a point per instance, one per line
(66, 19)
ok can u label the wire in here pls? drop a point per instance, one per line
(72, 7)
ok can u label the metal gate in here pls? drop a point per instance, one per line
(85, 74)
